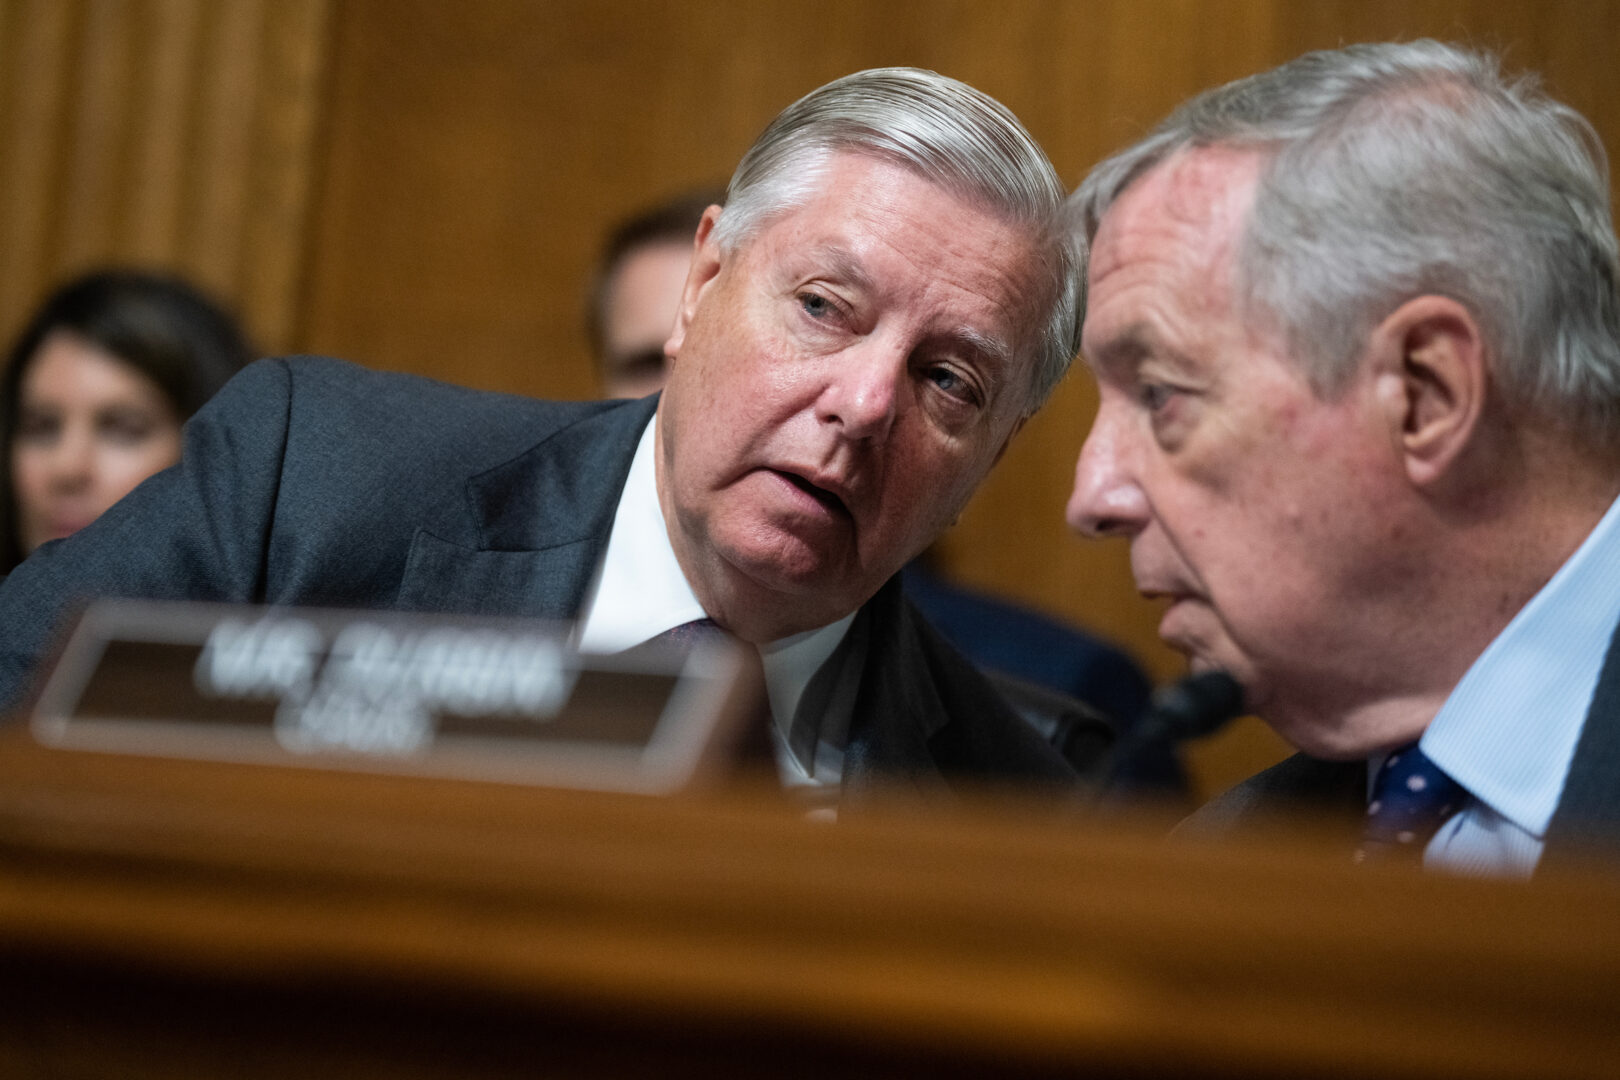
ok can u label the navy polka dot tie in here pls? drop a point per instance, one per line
(1411, 799)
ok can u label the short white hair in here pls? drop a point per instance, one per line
(945, 131)
(1398, 170)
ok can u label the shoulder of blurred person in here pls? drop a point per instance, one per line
(1019, 641)
(1003, 637)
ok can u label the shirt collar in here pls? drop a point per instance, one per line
(1508, 731)
(640, 591)
(789, 665)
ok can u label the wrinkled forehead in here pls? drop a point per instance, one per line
(821, 175)
(1195, 203)
(966, 266)
(867, 207)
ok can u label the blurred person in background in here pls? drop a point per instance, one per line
(94, 393)
(636, 290)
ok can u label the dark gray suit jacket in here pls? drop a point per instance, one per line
(1585, 825)
(314, 482)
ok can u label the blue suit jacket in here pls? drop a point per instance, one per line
(314, 482)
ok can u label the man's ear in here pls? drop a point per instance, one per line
(1433, 379)
(705, 266)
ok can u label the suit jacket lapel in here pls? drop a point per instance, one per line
(539, 525)
(1332, 791)
(1588, 814)
(898, 709)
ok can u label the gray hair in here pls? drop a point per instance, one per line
(948, 133)
(1399, 170)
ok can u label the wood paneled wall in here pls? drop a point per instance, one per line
(173, 133)
(420, 184)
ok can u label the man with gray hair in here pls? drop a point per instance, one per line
(881, 304)
(1354, 324)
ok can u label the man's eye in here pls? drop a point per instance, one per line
(1155, 396)
(951, 382)
(816, 306)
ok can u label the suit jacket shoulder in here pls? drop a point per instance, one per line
(312, 481)
(379, 468)
(1586, 823)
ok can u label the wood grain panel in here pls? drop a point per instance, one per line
(228, 82)
(34, 62)
(270, 270)
(187, 918)
(156, 190)
(102, 82)
(171, 133)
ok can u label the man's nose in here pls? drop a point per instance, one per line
(1107, 499)
(862, 391)
(72, 460)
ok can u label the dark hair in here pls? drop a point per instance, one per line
(675, 220)
(156, 323)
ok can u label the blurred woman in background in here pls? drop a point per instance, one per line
(94, 393)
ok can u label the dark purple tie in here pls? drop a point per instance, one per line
(1411, 798)
(753, 745)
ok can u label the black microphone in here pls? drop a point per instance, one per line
(1196, 706)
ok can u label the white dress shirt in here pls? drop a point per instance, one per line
(1508, 731)
(640, 592)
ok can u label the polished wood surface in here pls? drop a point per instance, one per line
(421, 184)
(166, 918)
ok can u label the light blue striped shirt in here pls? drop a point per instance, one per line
(1508, 731)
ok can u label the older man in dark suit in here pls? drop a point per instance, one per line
(1356, 330)
(879, 307)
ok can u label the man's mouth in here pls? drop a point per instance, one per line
(1168, 594)
(827, 498)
